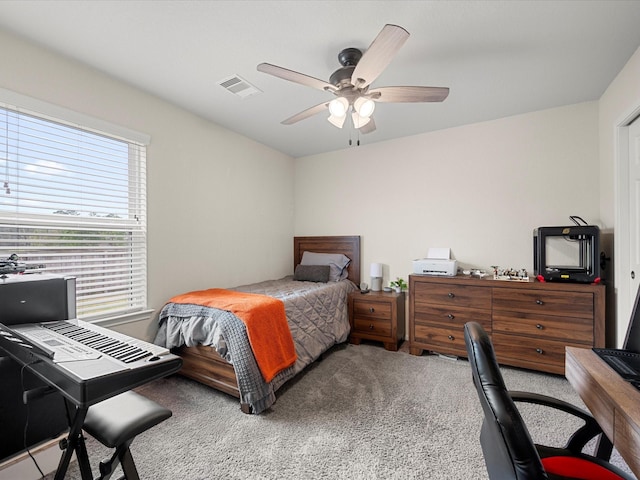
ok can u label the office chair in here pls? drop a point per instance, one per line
(115, 422)
(509, 451)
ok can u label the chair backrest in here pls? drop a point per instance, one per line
(509, 452)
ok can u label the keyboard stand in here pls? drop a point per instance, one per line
(75, 443)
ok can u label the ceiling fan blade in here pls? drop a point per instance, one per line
(378, 55)
(295, 77)
(409, 94)
(369, 127)
(309, 112)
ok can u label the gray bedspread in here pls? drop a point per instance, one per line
(318, 318)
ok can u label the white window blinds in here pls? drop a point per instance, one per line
(73, 202)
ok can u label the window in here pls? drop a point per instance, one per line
(73, 203)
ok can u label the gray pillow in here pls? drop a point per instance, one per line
(312, 273)
(337, 262)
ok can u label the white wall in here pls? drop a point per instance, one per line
(617, 105)
(220, 209)
(480, 189)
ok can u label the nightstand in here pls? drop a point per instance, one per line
(377, 316)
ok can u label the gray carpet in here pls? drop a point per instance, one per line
(361, 413)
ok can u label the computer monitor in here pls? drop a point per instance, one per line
(632, 340)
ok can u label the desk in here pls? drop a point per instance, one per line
(613, 402)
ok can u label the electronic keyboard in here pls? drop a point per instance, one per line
(87, 363)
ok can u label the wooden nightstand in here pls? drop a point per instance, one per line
(377, 316)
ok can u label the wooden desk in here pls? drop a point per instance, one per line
(613, 402)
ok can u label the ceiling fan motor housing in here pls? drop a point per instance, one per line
(348, 58)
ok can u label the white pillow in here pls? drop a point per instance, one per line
(337, 263)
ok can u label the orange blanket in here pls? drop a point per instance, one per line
(266, 323)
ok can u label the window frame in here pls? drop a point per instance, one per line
(137, 228)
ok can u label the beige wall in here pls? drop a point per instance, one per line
(618, 105)
(223, 208)
(220, 206)
(479, 189)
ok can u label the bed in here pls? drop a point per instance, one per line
(213, 343)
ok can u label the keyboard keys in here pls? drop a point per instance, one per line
(109, 346)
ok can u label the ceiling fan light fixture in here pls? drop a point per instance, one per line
(338, 107)
(337, 121)
(358, 120)
(364, 106)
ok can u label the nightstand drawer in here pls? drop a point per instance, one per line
(372, 327)
(453, 295)
(369, 309)
(568, 304)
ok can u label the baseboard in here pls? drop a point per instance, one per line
(21, 466)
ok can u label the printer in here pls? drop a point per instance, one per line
(438, 262)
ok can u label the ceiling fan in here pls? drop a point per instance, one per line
(351, 83)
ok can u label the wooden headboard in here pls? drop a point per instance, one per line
(347, 245)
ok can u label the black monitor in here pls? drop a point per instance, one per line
(632, 340)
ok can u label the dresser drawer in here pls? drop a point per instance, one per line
(543, 302)
(442, 339)
(578, 330)
(450, 315)
(534, 353)
(452, 295)
(371, 309)
(372, 327)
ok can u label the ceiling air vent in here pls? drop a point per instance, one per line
(239, 86)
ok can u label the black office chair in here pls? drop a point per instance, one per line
(115, 422)
(509, 452)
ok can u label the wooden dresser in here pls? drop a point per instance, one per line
(530, 323)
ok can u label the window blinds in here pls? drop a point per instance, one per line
(73, 203)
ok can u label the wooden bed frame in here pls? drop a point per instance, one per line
(203, 364)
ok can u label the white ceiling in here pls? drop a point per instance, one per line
(499, 58)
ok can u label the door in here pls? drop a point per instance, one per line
(634, 210)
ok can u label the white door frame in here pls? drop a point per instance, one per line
(621, 258)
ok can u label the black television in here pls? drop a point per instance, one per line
(567, 254)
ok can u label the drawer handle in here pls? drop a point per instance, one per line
(451, 295)
(540, 351)
(371, 327)
(371, 310)
(451, 337)
(539, 302)
(539, 327)
(451, 316)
